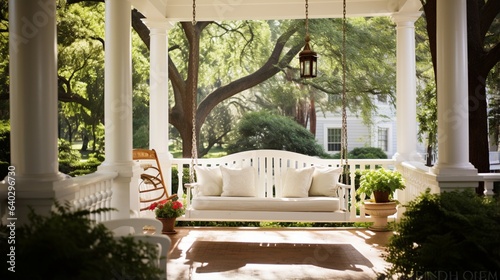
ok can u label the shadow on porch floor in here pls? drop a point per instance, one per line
(289, 253)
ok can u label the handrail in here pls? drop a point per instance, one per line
(90, 192)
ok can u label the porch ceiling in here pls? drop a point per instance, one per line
(218, 10)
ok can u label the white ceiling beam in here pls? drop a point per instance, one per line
(218, 10)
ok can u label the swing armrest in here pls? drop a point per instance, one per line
(189, 189)
(344, 192)
(344, 186)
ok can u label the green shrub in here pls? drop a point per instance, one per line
(456, 232)
(175, 180)
(67, 245)
(4, 148)
(364, 153)
(263, 130)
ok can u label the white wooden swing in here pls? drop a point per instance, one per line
(271, 185)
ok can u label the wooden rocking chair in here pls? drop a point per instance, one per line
(152, 186)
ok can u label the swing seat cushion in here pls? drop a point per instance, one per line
(311, 189)
(299, 204)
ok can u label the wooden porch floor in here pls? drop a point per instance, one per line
(290, 253)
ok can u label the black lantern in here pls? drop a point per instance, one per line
(308, 60)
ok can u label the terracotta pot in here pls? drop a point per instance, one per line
(381, 196)
(168, 225)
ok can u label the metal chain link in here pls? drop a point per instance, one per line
(343, 146)
(194, 142)
(307, 17)
(194, 13)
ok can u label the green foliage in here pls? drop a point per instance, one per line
(4, 148)
(367, 152)
(70, 162)
(175, 178)
(262, 130)
(67, 156)
(452, 231)
(364, 153)
(380, 179)
(84, 167)
(67, 245)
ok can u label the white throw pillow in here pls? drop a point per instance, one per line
(297, 182)
(238, 182)
(324, 182)
(209, 181)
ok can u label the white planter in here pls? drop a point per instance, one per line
(379, 212)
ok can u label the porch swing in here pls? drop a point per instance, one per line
(271, 185)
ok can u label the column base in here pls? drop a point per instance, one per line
(445, 170)
(453, 178)
(35, 192)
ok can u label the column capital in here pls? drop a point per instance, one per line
(404, 18)
(158, 24)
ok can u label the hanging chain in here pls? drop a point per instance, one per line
(343, 145)
(194, 148)
(307, 18)
(194, 142)
(194, 13)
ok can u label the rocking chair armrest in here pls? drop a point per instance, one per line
(152, 167)
(172, 196)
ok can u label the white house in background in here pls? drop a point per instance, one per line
(381, 133)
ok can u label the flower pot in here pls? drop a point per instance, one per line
(379, 213)
(381, 197)
(168, 225)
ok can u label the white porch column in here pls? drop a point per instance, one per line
(118, 103)
(406, 87)
(453, 123)
(33, 104)
(158, 99)
(158, 102)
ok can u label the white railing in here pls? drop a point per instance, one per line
(489, 179)
(89, 192)
(418, 179)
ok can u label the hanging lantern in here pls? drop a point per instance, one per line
(308, 59)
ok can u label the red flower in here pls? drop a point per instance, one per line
(163, 202)
(153, 206)
(176, 205)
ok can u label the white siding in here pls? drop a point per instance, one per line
(358, 133)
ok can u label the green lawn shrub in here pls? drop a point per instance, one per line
(452, 234)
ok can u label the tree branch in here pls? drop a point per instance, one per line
(269, 69)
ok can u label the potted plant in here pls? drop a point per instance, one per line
(167, 211)
(381, 182)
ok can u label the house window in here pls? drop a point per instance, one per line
(334, 137)
(383, 138)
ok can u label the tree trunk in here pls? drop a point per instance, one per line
(312, 114)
